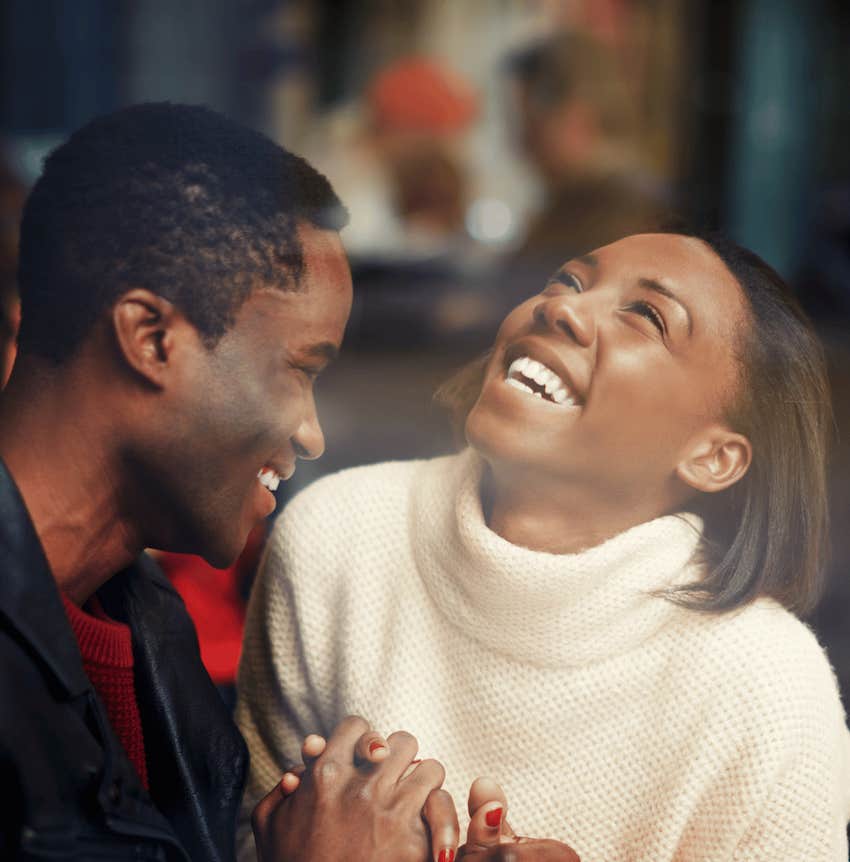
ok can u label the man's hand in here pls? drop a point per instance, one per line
(357, 801)
(490, 838)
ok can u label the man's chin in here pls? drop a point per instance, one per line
(222, 557)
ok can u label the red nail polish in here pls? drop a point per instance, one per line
(375, 745)
(494, 817)
(447, 855)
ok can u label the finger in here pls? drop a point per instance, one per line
(340, 746)
(410, 767)
(265, 807)
(415, 788)
(487, 806)
(402, 749)
(291, 780)
(484, 790)
(370, 748)
(440, 815)
(312, 748)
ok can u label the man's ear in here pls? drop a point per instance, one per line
(716, 460)
(144, 325)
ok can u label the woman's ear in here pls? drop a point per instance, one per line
(717, 460)
(144, 325)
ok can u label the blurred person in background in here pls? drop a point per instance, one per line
(576, 126)
(396, 157)
(182, 285)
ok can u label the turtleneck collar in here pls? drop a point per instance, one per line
(541, 608)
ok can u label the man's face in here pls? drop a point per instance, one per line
(247, 406)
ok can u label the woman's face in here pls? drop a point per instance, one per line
(610, 374)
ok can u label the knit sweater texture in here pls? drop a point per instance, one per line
(618, 722)
(107, 652)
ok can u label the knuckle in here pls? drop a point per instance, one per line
(355, 722)
(364, 793)
(435, 770)
(326, 773)
(382, 786)
(402, 737)
(439, 799)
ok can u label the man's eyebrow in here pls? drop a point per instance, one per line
(652, 284)
(588, 259)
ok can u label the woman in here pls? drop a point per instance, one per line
(594, 603)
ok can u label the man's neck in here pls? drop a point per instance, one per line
(54, 439)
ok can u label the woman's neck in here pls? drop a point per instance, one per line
(553, 516)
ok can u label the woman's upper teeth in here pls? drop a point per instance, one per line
(525, 368)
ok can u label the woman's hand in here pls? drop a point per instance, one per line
(362, 797)
(491, 839)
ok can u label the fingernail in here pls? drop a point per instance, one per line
(494, 817)
(375, 745)
(446, 855)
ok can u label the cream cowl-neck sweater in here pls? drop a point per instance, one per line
(617, 722)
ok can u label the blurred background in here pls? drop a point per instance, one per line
(478, 145)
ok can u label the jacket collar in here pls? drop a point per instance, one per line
(29, 597)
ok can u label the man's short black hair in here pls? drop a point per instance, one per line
(173, 198)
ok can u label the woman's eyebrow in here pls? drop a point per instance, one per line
(562, 274)
(652, 284)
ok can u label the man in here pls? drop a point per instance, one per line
(182, 285)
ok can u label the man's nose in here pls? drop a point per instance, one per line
(308, 440)
(569, 314)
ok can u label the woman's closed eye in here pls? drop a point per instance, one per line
(650, 312)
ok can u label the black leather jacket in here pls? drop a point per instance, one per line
(68, 789)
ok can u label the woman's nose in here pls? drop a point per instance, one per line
(568, 314)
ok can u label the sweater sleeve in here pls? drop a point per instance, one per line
(278, 703)
(805, 806)
(805, 815)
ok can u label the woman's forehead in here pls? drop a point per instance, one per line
(685, 264)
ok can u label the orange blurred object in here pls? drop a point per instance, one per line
(419, 95)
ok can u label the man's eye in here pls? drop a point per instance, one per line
(650, 312)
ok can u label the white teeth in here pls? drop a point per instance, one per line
(516, 367)
(269, 479)
(530, 369)
(512, 381)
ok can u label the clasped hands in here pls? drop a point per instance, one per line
(365, 798)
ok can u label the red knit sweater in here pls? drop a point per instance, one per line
(107, 652)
